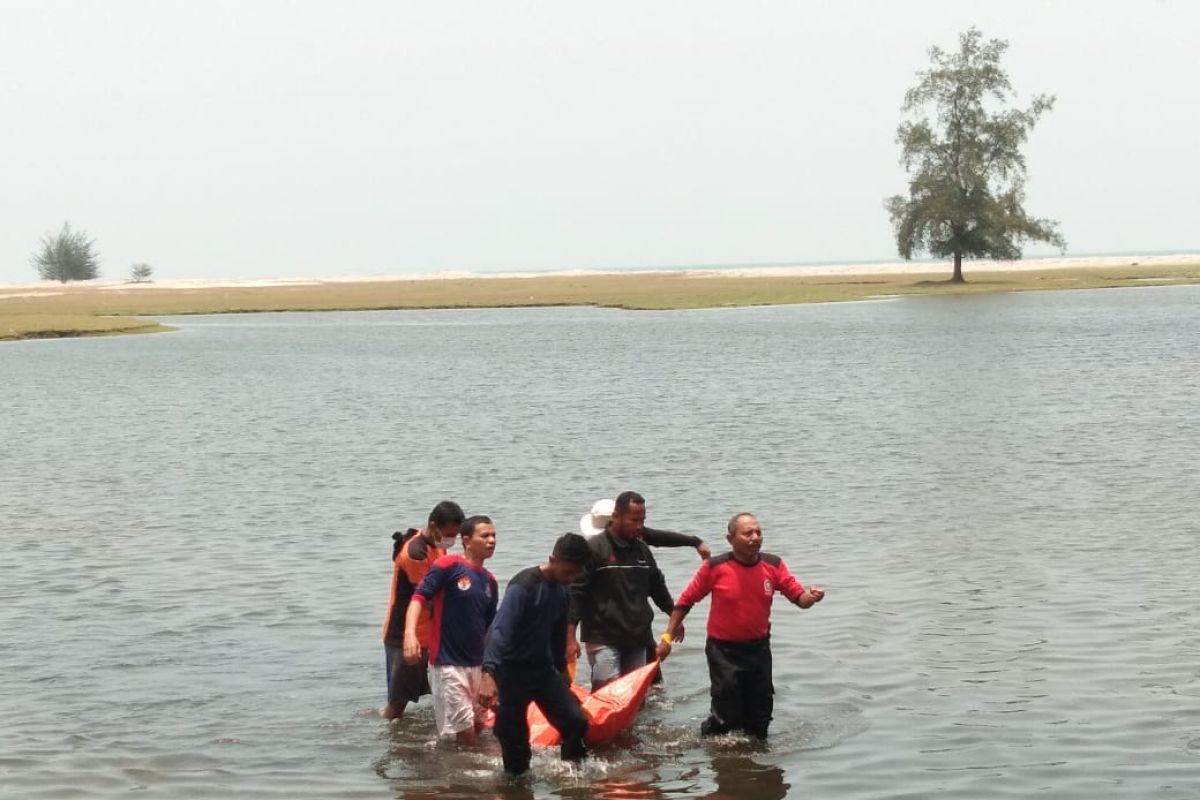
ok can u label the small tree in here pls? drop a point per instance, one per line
(140, 272)
(967, 185)
(67, 256)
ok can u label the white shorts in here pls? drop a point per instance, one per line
(455, 698)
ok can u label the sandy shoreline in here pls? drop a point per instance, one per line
(893, 268)
(98, 308)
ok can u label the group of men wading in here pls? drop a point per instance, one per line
(447, 635)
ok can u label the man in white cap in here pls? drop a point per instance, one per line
(596, 521)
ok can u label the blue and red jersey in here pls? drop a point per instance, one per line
(464, 604)
(742, 594)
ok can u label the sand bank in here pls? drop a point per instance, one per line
(101, 307)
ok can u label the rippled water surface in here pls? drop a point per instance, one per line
(999, 494)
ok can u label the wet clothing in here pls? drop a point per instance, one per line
(517, 686)
(610, 599)
(409, 565)
(526, 652)
(740, 689)
(742, 595)
(455, 699)
(406, 682)
(464, 602)
(738, 648)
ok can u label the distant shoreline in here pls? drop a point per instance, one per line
(52, 310)
(922, 268)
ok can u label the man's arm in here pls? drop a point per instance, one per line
(429, 586)
(658, 587)
(660, 538)
(558, 641)
(674, 631)
(793, 590)
(697, 589)
(580, 606)
(412, 645)
(503, 628)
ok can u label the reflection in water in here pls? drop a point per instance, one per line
(735, 776)
(620, 788)
(744, 779)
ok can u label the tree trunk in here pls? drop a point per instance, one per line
(958, 278)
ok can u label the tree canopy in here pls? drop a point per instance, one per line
(68, 255)
(966, 190)
(140, 272)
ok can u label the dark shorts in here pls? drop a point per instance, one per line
(406, 682)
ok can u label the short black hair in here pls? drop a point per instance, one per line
(446, 512)
(467, 529)
(627, 499)
(572, 547)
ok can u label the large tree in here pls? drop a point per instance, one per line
(966, 191)
(67, 256)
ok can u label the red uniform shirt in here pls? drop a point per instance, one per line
(742, 595)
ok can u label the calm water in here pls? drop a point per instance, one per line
(999, 494)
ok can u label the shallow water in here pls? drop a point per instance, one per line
(998, 493)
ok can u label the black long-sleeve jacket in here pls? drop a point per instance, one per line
(611, 598)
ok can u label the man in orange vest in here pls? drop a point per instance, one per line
(413, 553)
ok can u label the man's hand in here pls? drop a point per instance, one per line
(812, 595)
(704, 552)
(487, 691)
(663, 650)
(678, 635)
(412, 647)
(572, 647)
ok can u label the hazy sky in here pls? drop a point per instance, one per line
(258, 139)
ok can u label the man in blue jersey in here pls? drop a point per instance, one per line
(526, 656)
(464, 597)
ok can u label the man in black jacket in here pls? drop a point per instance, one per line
(596, 521)
(610, 600)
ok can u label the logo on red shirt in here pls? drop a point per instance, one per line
(767, 587)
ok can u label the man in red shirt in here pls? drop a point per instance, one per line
(743, 583)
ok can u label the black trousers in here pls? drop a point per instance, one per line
(743, 696)
(518, 685)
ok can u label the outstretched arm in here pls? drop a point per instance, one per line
(661, 538)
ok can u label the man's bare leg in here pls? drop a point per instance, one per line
(393, 710)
